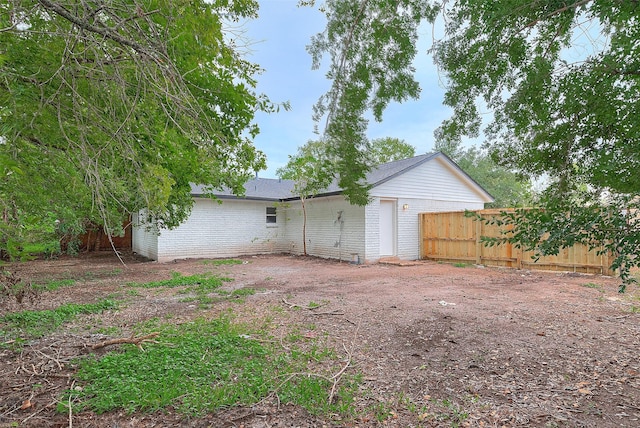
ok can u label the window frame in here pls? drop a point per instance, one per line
(271, 216)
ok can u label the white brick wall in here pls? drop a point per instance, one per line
(335, 229)
(227, 229)
(144, 238)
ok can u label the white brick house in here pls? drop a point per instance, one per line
(268, 219)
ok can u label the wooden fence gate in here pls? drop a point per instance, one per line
(454, 237)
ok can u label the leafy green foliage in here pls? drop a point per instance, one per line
(371, 46)
(562, 80)
(203, 366)
(567, 222)
(388, 149)
(110, 108)
(38, 323)
(310, 170)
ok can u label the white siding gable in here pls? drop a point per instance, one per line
(432, 186)
(434, 180)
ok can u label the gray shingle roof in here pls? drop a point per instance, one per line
(267, 189)
(270, 189)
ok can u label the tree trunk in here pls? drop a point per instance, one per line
(304, 226)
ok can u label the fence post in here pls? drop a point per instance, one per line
(607, 259)
(478, 234)
(421, 217)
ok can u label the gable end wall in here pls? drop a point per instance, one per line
(431, 187)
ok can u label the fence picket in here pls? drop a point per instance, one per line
(454, 237)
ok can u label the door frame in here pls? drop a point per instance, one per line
(389, 226)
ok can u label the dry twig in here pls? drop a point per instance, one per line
(336, 377)
(294, 305)
(138, 341)
(333, 312)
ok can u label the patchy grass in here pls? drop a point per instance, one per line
(245, 291)
(203, 282)
(219, 262)
(55, 284)
(594, 286)
(461, 265)
(206, 365)
(34, 324)
(201, 286)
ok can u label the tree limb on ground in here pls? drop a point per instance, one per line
(138, 341)
(294, 305)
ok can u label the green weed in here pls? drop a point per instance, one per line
(107, 331)
(202, 366)
(244, 292)
(38, 323)
(204, 282)
(592, 285)
(451, 412)
(54, 284)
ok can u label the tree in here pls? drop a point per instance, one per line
(311, 168)
(388, 149)
(111, 107)
(310, 171)
(562, 80)
(505, 186)
(371, 46)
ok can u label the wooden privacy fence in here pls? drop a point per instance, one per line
(453, 237)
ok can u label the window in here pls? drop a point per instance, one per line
(271, 215)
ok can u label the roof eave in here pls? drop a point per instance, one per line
(234, 197)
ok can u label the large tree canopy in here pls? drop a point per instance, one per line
(388, 149)
(371, 45)
(562, 80)
(107, 107)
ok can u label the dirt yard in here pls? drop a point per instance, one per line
(438, 345)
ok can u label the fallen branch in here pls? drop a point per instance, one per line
(294, 305)
(138, 341)
(333, 312)
(336, 377)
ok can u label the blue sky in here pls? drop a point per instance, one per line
(279, 37)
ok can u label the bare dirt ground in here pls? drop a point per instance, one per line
(438, 345)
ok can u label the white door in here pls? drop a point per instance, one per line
(387, 228)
